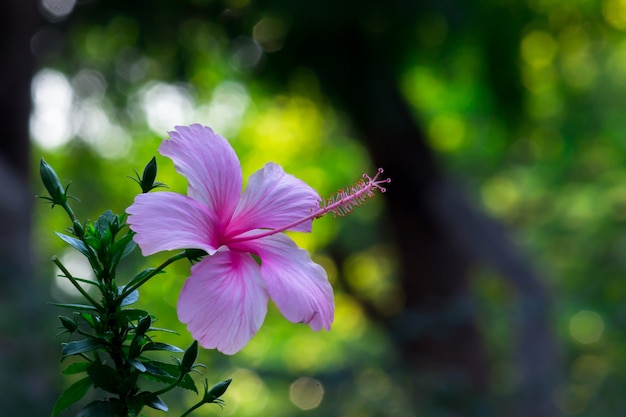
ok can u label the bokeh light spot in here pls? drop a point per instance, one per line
(270, 33)
(248, 396)
(226, 109)
(447, 132)
(538, 48)
(614, 12)
(50, 121)
(586, 326)
(306, 393)
(166, 106)
(500, 195)
(57, 10)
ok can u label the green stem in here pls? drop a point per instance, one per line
(171, 386)
(198, 405)
(69, 211)
(155, 271)
(75, 283)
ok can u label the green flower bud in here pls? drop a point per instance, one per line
(149, 175)
(143, 325)
(217, 390)
(147, 181)
(69, 324)
(51, 181)
(189, 358)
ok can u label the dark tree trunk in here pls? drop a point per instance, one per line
(25, 360)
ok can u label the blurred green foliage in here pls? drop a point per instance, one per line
(536, 135)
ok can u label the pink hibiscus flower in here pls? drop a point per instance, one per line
(224, 301)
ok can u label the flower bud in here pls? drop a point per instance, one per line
(68, 324)
(53, 185)
(143, 325)
(189, 358)
(147, 180)
(149, 175)
(217, 390)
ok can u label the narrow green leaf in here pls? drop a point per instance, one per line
(75, 306)
(137, 365)
(131, 314)
(155, 402)
(79, 346)
(167, 373)
(77, 244)
(124, 245)
(71, 395)
(162, 346)
(90, 319)
(76, 368)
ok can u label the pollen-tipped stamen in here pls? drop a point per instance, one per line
(345, 201)
(342, 203)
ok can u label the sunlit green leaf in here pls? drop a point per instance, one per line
(77, 244)
(71, 395)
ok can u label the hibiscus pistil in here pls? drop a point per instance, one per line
(340, 204)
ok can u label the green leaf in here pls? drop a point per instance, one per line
(155, 402)
(90, 319)
(162, 346)
(167, 373)
(131, 314)
(76, 368)
(104, 222)
(137, 365)
(77, 244)
(75, 306)
(105, 377)
(79, 346)
(107, 408)
(130, 298)
(71, 395)
(124, 246)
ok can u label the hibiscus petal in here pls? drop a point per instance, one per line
(168, 221)
(298, 286)
(274, 199)
(224, 302)
(210, 165)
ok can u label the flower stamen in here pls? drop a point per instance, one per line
(345, 201)
(340, 204)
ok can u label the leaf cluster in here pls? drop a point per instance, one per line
(112, 343)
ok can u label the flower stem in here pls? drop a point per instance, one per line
(194, 407)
